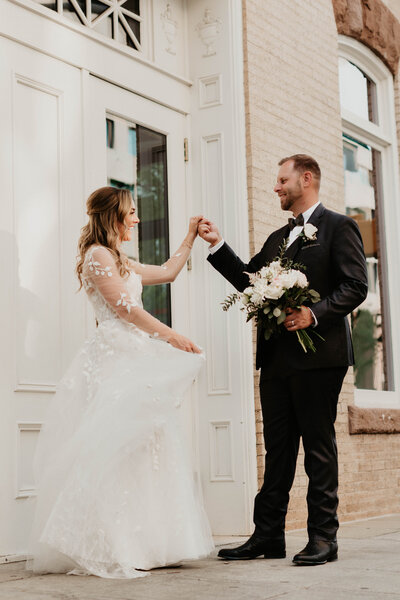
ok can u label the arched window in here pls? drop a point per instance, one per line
(372, 199)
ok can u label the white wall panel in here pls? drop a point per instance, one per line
(221, 455)
(218, 346)
(36, 199)
(28, 434)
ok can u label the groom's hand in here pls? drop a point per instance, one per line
(298, 318)
(209, 232)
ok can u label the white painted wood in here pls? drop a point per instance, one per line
(85, 75)
(37, 193)
(43, 318)
(221, 451)
(27, 438)
(25, 20)
(210, 90)
(219, 191)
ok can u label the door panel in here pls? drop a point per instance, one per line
(43, 319)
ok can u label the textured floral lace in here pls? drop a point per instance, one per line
(108, 292)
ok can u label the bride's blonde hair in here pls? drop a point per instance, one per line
(106, 207)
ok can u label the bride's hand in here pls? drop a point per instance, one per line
(183, 343)
(193, 226)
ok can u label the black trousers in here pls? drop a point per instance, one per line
(300, 404)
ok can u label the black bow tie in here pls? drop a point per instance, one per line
(295, 222)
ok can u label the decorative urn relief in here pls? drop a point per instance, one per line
(208, 30)
(170, 27)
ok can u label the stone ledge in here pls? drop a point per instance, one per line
(373, 420)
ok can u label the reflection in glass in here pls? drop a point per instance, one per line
(357, 91)
(371, 336)
(138, 161)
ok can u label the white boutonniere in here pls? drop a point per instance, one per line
(309, 233)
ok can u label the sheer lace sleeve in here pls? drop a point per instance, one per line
(103, 274)
(166, 273)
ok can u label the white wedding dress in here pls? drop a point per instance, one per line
(116, 493)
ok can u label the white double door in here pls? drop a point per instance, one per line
(53, 155)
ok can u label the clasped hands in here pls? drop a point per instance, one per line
(296, 318)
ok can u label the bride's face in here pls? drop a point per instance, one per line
(125, 228)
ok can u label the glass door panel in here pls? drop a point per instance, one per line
(137, 160)
(370, 321)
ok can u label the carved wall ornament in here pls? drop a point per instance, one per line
(208, 30)
(170, 27)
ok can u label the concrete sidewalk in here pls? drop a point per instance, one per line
(368, 568)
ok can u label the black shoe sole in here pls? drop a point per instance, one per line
(303, 563)
(266, 555)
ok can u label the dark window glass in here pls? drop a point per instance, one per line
(138, 161)
(132, 6)
(135, 28)
(110, 133)
(153, 213)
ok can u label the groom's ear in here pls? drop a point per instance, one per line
(307, 178)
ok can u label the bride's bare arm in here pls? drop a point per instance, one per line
(103, 275)
(166, 273)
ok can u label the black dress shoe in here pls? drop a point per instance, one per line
(254, 547)
(317, 552)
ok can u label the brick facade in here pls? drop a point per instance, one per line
(292, 105)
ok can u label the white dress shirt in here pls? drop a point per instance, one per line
(293, 235)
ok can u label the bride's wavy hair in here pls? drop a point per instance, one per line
(106, 207)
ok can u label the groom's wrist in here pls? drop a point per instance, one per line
(214, 248)
(314, 318)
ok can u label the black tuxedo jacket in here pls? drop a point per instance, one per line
(335, 267)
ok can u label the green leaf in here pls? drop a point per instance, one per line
(281, 318)
(267, 334)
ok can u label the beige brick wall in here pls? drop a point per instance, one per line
(292, 105)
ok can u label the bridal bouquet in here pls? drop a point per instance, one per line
(275, 288)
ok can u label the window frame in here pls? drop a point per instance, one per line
(382, 137)
(145, 54)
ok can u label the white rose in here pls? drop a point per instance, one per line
(257, 298)
(288, 279)
(301, 280)
(274, 291)
(310, 231)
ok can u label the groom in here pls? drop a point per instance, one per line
(299, 391)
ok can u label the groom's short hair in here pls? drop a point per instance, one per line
(302, 163)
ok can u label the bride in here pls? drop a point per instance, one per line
(116, 495)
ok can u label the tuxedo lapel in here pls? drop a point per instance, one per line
(316, 216)
(297, 244)
(293, 248)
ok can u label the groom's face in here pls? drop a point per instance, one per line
(288, 185)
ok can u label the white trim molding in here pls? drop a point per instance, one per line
(381, 136)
